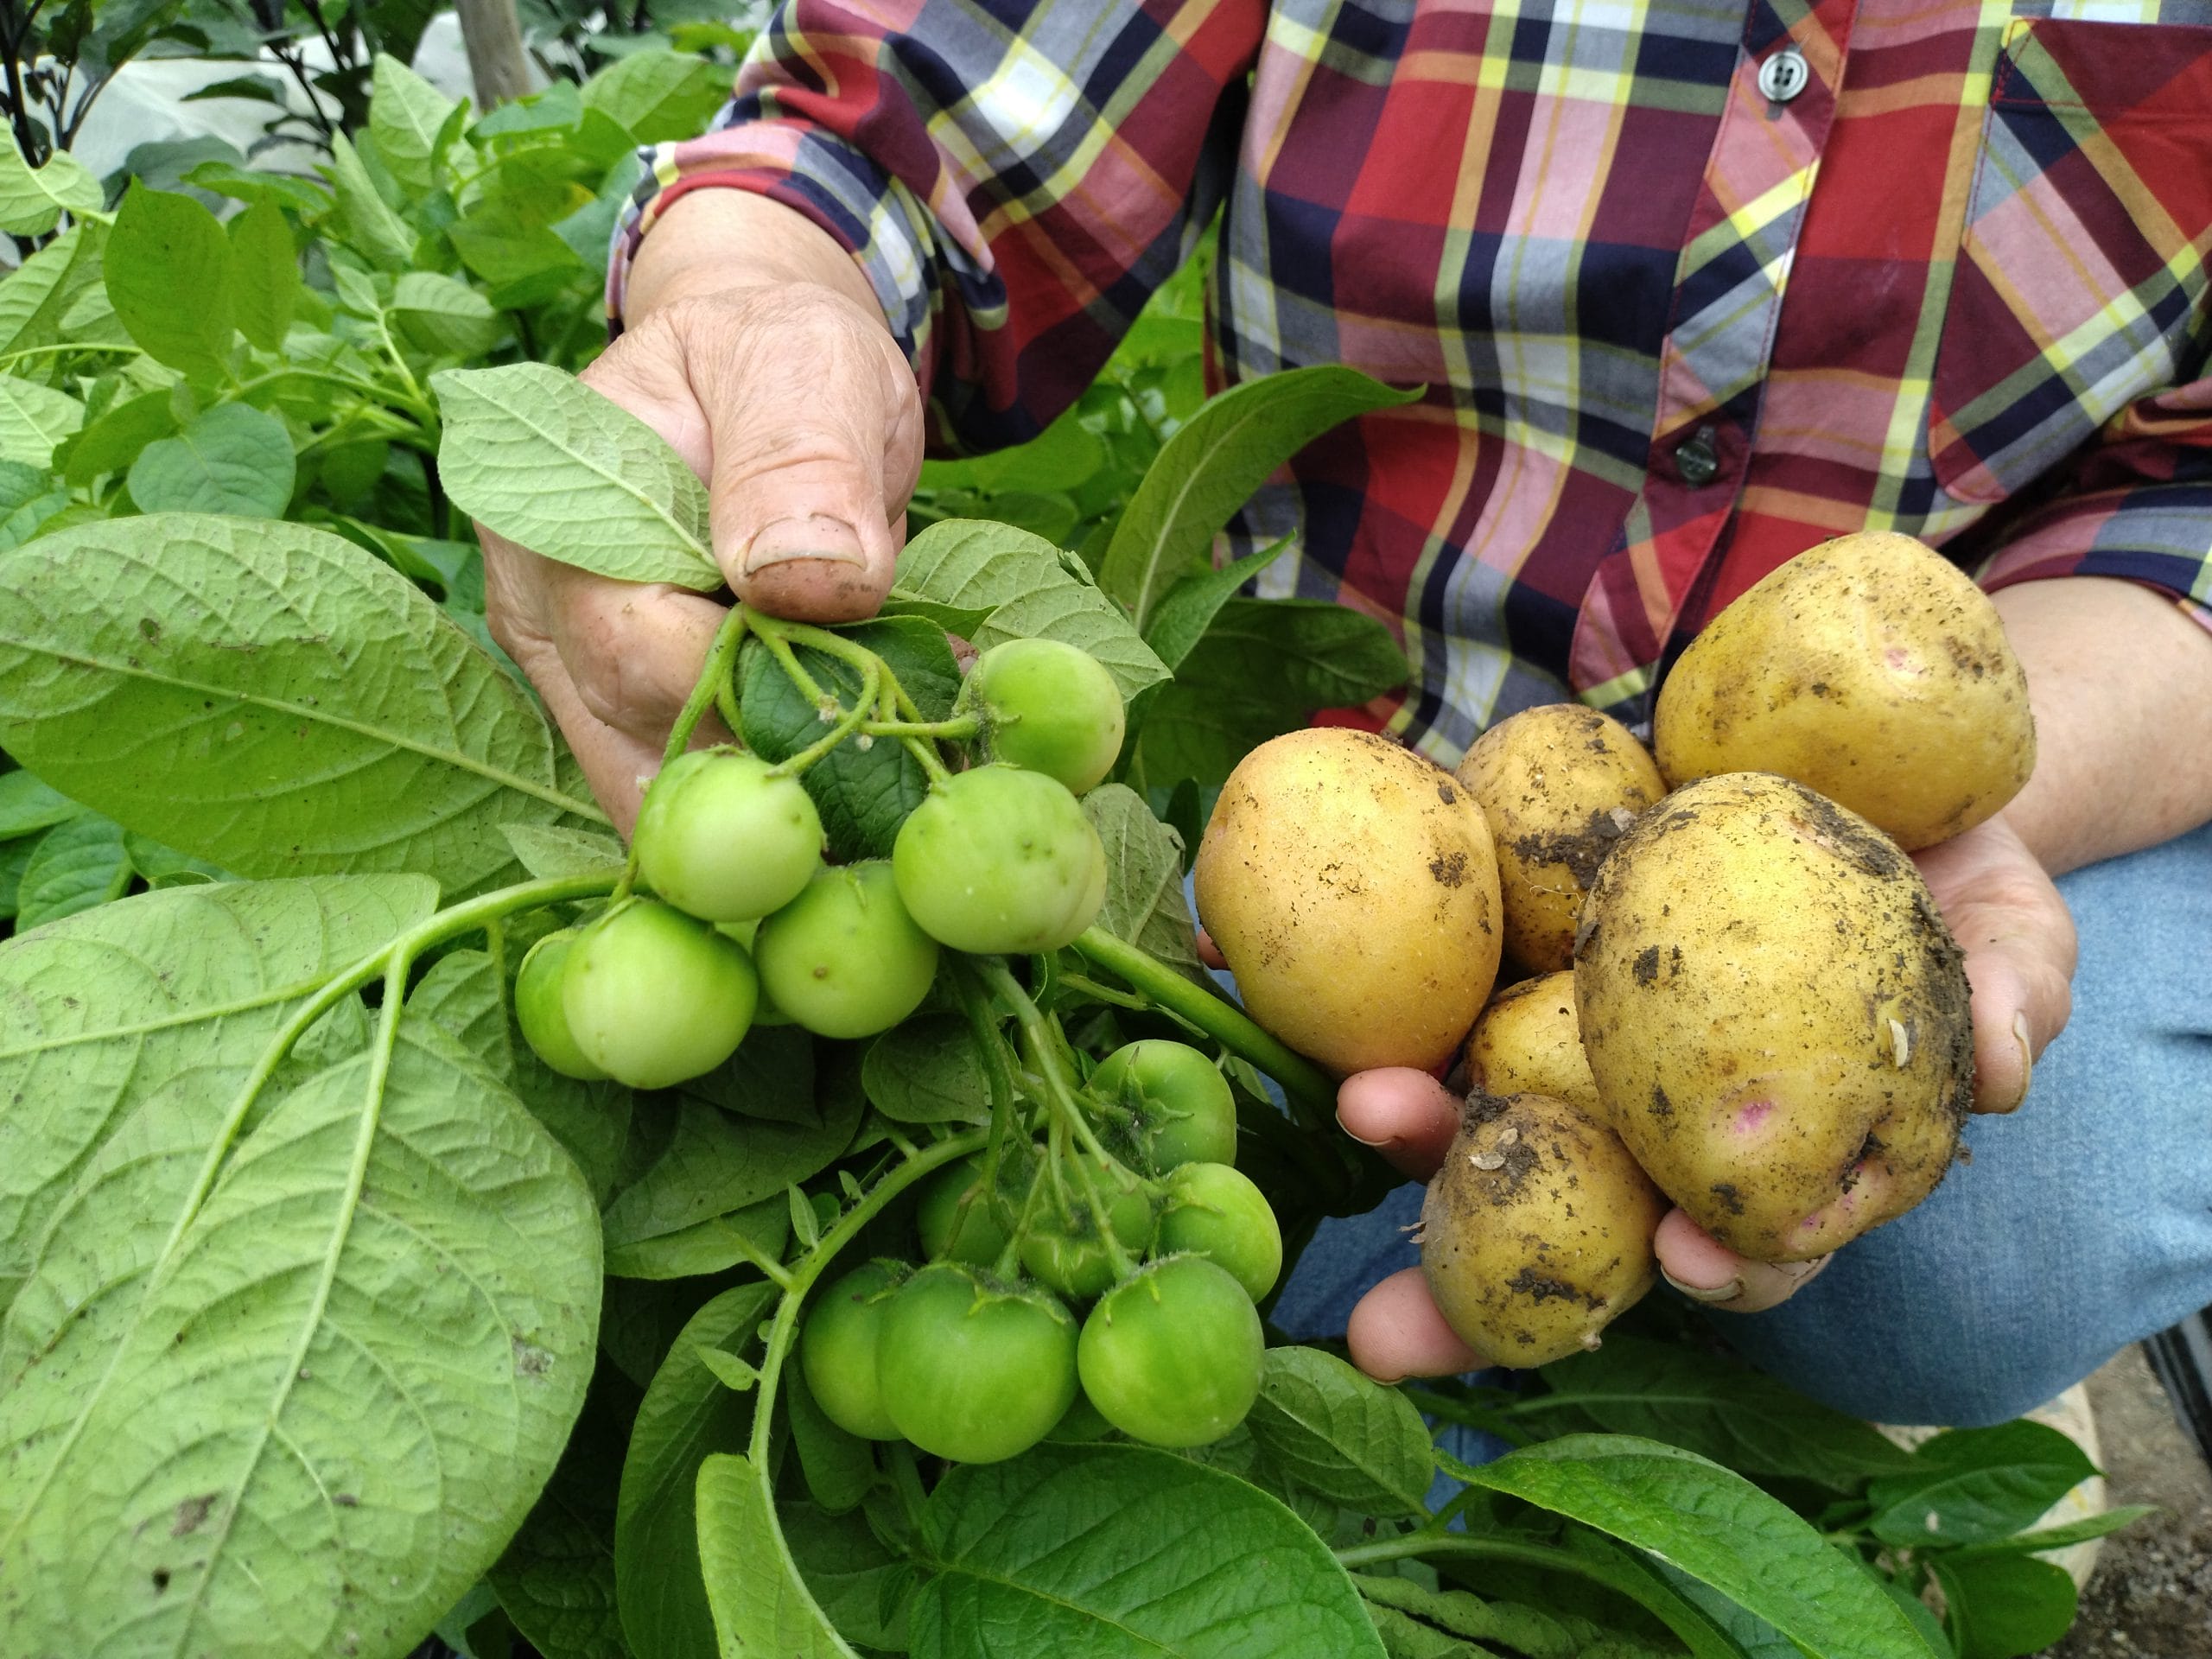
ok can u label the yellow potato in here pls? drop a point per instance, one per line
(1536, 1233)
(1775, 1015)
(1527, 1042)
(1869, 668)
(1352, 888)
(1560, 785)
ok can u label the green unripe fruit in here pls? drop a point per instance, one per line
(1071, 1255)
(972, 1369)
(999, 861)
(980, 1239)
(721, 837)
(538, 1010)
(836, 1351)
(1173, 1356)
(1184, 1112)
(844, 959)
(654, 997)
(1216, 1212)
(1049, 707)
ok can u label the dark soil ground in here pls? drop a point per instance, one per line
(2152, 1595)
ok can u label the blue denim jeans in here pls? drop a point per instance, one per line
(2083, 1223)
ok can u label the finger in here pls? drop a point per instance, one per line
(1705, 1270)
(1404, 1113)
(815, 452)
(615, 764)
(1209, 953)
(1397, 1330)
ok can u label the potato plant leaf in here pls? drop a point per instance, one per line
(34, 419)
(714, 1245)
(1114, 1550)
(1211, 467)
(1977, 1485)
(1189, 608)
(686, 1416)
(265, 276)
(537, 456)
(407, 118)
(1352, 1440)
(235, 459)
(1714, 1525)
(32, 198)
(2003, 1606)
(80, 863)
(1144, 877)
(366, 221)
(658, 95)
(42, 291)
(165, 246)
(254, 1381)
(1032, 590)
(28, 803)
(925, 1071)
(267, 696)
(1735, 1416)
(762, 1609)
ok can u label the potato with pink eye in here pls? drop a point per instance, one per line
(1559, 786)
(1775, 1014)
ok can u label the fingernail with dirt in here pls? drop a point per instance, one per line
(1727, 1293)
(816, 537)
(2027, 1059)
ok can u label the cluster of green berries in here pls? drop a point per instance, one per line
(978, 1354)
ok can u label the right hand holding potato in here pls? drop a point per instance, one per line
(796, 406)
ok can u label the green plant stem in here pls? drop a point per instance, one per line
(714, 674)
(957, 729)
(1313, 1096)
(809, 1268)
(990, 1048)
(778, 647)
(847, 721)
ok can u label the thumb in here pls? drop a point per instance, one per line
(815, 436)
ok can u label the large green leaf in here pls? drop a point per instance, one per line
(762, 1609)
(32, 198)
(168, 997)
(537, 456)
(660, 95)
(1032, 590)
(1210, 467)
(44, 288)
(82, 863)
(169, 277)
(1351, 1439)
(267, 696)
(926, 1070)
(1112, 1550)
(28, 803)
(34, 419)
(2003, 1606)
(1182, 619)
(265, 277)
(235, 459)
(690, 1162)
(407, 116)
(1145, 903)
(1715, 1526)
(366, 223)
(441, 314)
(1976, 1485)
(308, 1419)
(1722, 1410)
(687, 1415)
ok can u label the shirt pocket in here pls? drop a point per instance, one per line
(2079, 283)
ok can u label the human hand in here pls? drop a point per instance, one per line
(798, 409)
(2019, 946)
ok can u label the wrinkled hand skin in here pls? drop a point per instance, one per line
(2019, 949)
(798, 410)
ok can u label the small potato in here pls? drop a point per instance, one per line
(1527, 1042)
(1352, 888)
(1775, 1015)
(1869, 668)
(1560, 785)
(1536, 1233)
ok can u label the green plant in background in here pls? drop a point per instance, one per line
(332, 1314)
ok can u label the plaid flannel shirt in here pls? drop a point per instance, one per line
(1680, 312)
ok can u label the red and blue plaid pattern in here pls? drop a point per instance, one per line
(1673, 331)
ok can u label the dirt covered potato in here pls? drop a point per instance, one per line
(1559, 785)
(1869, 668)
(1527, 1042)
(1351, 886)
(1775, 1014)
(1536, 1233)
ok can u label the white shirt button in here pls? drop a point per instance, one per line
(1784, 75)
